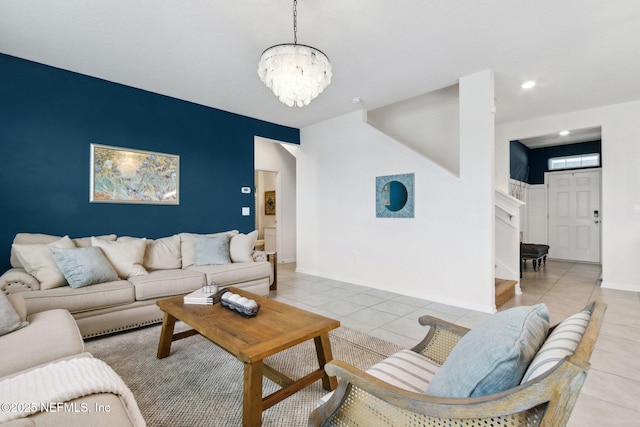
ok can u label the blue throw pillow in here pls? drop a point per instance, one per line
(212, 250)
(493, 356)
(84, 266)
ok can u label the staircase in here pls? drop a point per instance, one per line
(505, 290)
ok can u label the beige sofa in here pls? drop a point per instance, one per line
(37, 358)
(146, 270)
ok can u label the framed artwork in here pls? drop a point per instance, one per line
(394, 196)
(270, 202)
(124, 175)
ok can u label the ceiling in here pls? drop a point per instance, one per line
(573, 137)
(582, 53)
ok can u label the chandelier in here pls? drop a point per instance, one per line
(295, 73)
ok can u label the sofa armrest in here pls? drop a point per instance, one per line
(18, 280)
(259, 256)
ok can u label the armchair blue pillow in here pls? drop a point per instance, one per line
(493, 356)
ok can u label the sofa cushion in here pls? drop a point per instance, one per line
(38, 261)
(81, 299)
(237, 272)
(494, 355)
(84, 266)
(562, 342)
(166, 283)
(241, 246)
(212, 250)
(406, 369)
(126, 256)
(9, 318)
(187, 246)
(50, 335)
(30, 239)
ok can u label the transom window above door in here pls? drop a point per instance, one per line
(575, 162)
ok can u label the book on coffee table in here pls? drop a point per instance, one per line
(199, 296)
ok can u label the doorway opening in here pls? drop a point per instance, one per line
(275, 197)
(562, 204)
(265, 209)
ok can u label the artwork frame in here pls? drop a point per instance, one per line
(395, 196)
(127, 175)
(270, 202)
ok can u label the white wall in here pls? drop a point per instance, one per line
(620, 180)
(445, 253)
(535, 230)
(272, 156)
(429, 124)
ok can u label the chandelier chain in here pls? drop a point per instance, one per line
(295, 21)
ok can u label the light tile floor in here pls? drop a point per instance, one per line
(610, 396)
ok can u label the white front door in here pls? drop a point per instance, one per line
(574, 215)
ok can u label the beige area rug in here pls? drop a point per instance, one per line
(200, 384)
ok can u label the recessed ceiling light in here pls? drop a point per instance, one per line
(528, 85)
(356, 100)
(564, 133)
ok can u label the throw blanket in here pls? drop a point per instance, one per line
(63, 381)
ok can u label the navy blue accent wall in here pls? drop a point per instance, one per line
(539, 157)
(529, 165)
(49, 117)
(519, 161)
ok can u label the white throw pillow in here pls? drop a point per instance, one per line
(242, 245)
(38, 261)
(163, 254)
(85, 242)
(126, 256)
(30, 239)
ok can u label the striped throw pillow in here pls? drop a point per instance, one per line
(406, 369)
(561, 343)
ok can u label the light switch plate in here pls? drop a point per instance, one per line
(246, 211)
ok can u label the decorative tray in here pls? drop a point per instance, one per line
(246, 307)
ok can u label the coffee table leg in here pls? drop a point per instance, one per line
(252, 394)
(166, 335)
(323, 349)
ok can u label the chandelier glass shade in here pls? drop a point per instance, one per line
(294, 72)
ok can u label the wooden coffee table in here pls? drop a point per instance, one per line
(277, 326)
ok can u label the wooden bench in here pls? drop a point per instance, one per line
(537, 253)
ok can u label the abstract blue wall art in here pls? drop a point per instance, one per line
(394, 196)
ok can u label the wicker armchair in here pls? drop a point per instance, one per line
(362, 399)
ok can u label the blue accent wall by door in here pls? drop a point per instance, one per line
(519, 161)
(529, 165)
(539, 158)
(48, 119)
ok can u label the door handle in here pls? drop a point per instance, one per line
(596, 221)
